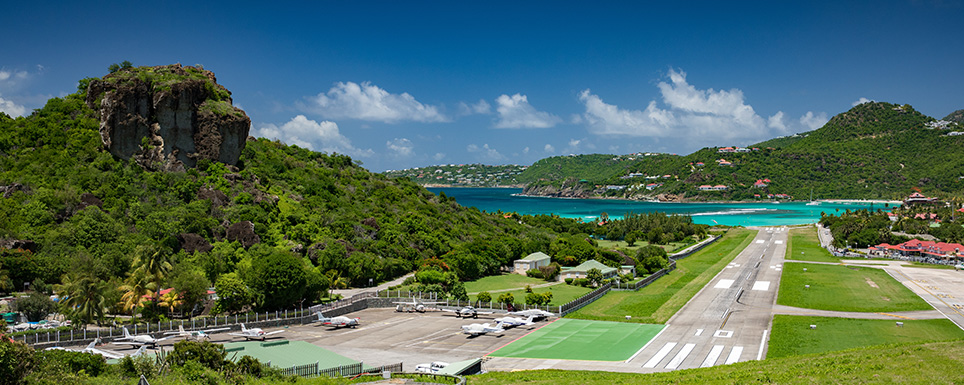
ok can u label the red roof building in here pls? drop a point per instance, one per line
(921, 248)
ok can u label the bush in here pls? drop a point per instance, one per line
(528, 289)
(551, 272)
(207, 354)
(16, 361)
(569, 281)
(535, 273)
(582, 282)
(63, 361)
(484, 297)
(35, 306)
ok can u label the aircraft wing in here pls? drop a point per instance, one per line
(165, 338)
(215, 330)
(132, 343)
(274, 332)
(240, 335)
(107, 353)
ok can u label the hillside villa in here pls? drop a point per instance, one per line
(531, 261)
(581, 270)
(919, 199)
(707, 187)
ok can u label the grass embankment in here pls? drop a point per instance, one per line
(805, 246)
(670, 248)
(931, 363)
(561, 294)
(792, 336)
(845, 288)
(501, 282)
(658, 302)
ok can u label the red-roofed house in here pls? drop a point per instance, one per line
(918, 198)
(919, 248)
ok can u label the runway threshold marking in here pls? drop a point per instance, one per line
(734, 355)
(678, 359)
(660, 355)
(724, 284)
(712, 357)
(761, 285)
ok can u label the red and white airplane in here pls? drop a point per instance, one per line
(337, 322)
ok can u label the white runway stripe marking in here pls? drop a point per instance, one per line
(713, 356)
(734, 355)
(660, 355)
(761, 285)
(724, 284)
(698, 332)
(683, 353)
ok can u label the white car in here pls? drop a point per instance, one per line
(431, 368)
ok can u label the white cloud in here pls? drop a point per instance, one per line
(402, 147)
(317, 136)
(516, 112)
(369, 102)
(482, 108)
(11, 108)
(438, 156)
(813, 121)
(485, 152)
(861, 101)
(525, 150)
(548, 148)
(700, 116)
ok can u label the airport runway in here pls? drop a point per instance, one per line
(729, 319)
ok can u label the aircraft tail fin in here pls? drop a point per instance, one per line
(180, 328)
(127, 334)
(93, 343)
(243, 329)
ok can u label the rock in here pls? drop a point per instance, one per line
(18, 244)
(243, 233)
(8, 191)
(168, 117)
(216, 197)
(87, 200)
(191, 242)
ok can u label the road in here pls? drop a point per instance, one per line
(728, 320)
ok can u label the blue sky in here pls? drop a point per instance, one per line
(400, 84)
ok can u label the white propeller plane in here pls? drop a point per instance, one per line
(416, 305)
(337, 322)
(509, 322)
(195, 334)
(139, 340)
(253, 333)
(475, 330)
(467, 312)
(92, 349)
(536, 313)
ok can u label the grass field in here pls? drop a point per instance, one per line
(670, 248)
(561, 293)
(570, 339)
(805, 246)
(931, 363)
(656, 303)
(844, 288)
(501, 282)
(792, 335)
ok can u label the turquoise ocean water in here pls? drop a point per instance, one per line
(733, 214)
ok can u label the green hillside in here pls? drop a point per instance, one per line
(462, 175)
(874, 151)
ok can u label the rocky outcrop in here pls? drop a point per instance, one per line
(569, 189)
(168, 117)
(243, 233)
(191, 242)
(18, 244)
(8, 191)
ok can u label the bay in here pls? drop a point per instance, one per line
(732, 214)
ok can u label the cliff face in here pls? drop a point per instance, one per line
(168, 117)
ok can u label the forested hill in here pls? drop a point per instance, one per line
(874, 151)
(285, 221)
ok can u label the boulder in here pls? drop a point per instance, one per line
(243, 233)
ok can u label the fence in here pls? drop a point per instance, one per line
(350, 370)
(578, 303)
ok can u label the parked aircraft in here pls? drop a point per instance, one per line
(337, 322)
(195, 334)
(475, 330)
(416, 305)
(467, 312)
(139, 340)
(433, 367)
(538, 314)
(253, 333)
(509, 322)
(92, 349)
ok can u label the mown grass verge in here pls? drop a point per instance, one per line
(804, 245)
(561, 294)
(845, 288)
(502, 282)
(792, 336)
(931, 363)
(658, 302)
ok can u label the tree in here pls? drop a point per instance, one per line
(170, 301)
(279, 277)
(484, 297)
(136, 290)
(233, 294)
(35, 306)
(506, 298)
(82, 298)
(458, 292)
(191, 286)
(534, 299)
(652, 258)
(594, 276)
(335, 281)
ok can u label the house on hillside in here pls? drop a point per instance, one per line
(918, 248)
(707, 187)
(580, 271)
(919, 199)
(531, 261)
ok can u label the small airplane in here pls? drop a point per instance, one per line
(337, 322)
(467, 312)
(253, 333)
(475, 330)
(415, 305)
(196, 334)
(509, 322)
(536, 313)
(139, 340)
(433, 367)
(92, 349)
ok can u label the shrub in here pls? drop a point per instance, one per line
(534, 273)
(528, 288)
(582, 282)
(551, 272)
(569, 281)
(484, 297)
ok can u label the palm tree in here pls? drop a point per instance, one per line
(152, 261)
(82, 297)
(335, 281)
(5, 283)
(170, 301)
(137, 290)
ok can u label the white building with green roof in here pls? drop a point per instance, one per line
(580, 271)
(531, 261)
